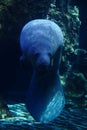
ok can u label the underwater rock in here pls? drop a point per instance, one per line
(70, 119)
(76, 81)
(66, 15)
(4, 111)
(41, 42)
(76, 89)
(13, 15)
(81, 62)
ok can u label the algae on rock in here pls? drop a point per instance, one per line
(70, 24)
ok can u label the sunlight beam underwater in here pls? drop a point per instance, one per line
(41, 43)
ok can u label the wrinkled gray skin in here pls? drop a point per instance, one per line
(41, 43)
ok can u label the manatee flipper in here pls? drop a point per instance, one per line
(45, 99)
(23, 61)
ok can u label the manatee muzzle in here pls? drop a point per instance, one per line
(43, 63)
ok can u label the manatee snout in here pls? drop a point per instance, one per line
(43, 63)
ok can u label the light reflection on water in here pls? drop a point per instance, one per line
(69, 119)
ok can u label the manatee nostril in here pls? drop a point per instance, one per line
(42, 67)
(37, 55)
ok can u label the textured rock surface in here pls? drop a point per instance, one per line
(68, 19)
(76, 81)
(76, 86)
(69, 120)
(15, 13)
(4, 111)
(80, 64)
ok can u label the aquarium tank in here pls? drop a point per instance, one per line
(43, 65)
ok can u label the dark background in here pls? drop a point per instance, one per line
(82, 4)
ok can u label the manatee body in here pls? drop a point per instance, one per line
(41, 43)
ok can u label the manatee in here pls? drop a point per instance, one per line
(41, 43)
